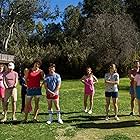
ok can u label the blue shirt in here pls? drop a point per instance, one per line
(52, 81)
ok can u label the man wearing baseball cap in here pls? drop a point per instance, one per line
(10, 83)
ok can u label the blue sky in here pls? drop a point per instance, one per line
(62, 4)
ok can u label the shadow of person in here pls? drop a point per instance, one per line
(108, 125)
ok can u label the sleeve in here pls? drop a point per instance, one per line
(58, 79)
(106, 76)
(117, 77)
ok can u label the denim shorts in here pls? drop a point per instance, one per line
(111, 94)
(34, 92)
(131, 90)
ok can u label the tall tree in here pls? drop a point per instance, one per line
(133, 8)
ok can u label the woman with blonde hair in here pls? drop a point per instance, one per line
(111, 90)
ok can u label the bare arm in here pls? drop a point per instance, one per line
(95, 79)
(48, 90)
(83, 80)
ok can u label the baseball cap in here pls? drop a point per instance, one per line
(11, 65)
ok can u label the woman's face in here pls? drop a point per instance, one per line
(88, 70)
(112, 69)
(37, 65)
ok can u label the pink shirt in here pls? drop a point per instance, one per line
(137, 79)
(89, 88)
(1, 80)
(10, 78)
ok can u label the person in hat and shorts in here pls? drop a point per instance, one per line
(10, 83)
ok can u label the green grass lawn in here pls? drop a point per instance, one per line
(77, 124)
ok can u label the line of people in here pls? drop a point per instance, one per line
(31, 83)
(34, 78)
(111, 88)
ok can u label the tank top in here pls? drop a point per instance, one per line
(33, 79)
(89, 88)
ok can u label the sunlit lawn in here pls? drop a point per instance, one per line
(77, 124)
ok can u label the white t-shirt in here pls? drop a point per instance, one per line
(111, 77)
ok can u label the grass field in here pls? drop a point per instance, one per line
(77, 124)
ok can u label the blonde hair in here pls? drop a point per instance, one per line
(113, 66)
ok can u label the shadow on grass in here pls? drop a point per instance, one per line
(21, 122)
(44, 113)
(108, 125)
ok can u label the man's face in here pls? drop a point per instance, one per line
(51, 69)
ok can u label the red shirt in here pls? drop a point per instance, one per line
(33, 79)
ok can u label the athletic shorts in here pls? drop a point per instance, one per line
(131, 90)
(10, 92)
(2, 92)
(34, 92)
(111, 94)
(138, 92)
(50, 97)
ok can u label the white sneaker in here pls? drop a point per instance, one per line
(116, 118)
(107, 118)
(60, 121)
(4, 120)
(49, 121)
(90, 112)
(2, 113)
(85, 110)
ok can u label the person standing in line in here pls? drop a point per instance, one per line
(111, 90)
(33, 79)
(23, 91)
(89, 80)
(10, 83)
(137, 89)
(2, 88)
(52, 85)
(131, 75)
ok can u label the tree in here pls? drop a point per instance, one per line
(92, 7)
(112, 39)
(133, 8)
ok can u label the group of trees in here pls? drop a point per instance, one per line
(95, 33)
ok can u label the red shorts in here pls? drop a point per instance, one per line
(2, 92)
(50, 96)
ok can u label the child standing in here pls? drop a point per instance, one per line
(52, 85)
(89, 80)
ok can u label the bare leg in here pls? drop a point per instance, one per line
(132, 102)
(56, 103)
(85, 101)
(50, 111)
(27, 105)
(36, 110)
(14, 109)
(107, 106)
(91, 101)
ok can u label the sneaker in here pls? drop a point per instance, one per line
(131, 114)
(4, 120)
(116, 118)
(14, 119)
(2, 113)
(107, 118)
(85, 110)
(60, 121)
(90, 112)
(49, 121)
